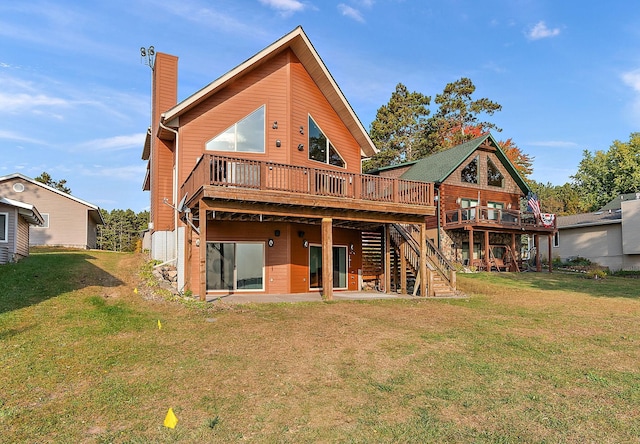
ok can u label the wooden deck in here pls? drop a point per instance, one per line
(251, 186)
(489, 218)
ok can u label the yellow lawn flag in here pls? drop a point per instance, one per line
(170, 420)
(135, 290)
(159, 325)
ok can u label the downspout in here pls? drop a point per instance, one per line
(175, 184)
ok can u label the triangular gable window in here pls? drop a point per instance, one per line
(246, 135)
(470, 172)
(321, 148)
(494, 176)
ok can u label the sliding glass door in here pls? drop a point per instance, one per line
(235, 266)
(339, 267)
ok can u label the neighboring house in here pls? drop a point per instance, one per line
(609, 237)
(15, 219)
(256, 186)
(479, 192)
(68, 221)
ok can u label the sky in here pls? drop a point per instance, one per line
(75, 93)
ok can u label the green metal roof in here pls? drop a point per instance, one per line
(437, 167)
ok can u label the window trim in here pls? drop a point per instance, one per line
(556, 239)
(476, 159)
(235, 267)
(235, 134)
(327, 147)
(45, 217)
(5, 238)
(338, 246)
(500, 172)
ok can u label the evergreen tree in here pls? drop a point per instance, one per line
(60, 185)
(399, 128)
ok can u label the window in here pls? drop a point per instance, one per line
(45, 217)
(339, 267)
(468, 208)
(556, 239)
(494, 176)
(493, 214)
(235, 266)
(4, 227)
(320, 148)
(246, 135)
(470, 172)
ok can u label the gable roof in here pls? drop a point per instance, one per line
(97, 215)
(28, 211)
(616, 203)
(299, 43)
(590, 219)
(437, 167)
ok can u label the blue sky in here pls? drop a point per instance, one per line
(75, 95)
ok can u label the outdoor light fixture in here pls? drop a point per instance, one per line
(305, 243)
(271, 242)
(278, 143)
(301, 129)
(277, 233)
(300, 233)
(275, 125)
(300, 147)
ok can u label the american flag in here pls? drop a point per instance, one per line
(534, 204)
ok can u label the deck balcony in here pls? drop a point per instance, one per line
(264, 185)
(489, 218)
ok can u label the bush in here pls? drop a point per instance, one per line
(596, 273)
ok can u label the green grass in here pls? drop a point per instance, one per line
(529, 357)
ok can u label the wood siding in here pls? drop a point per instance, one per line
(68, 219)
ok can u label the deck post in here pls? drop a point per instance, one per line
(538, 263)
(327, 258)
(470, 246)
(203, 251)
(403, 266)
(387, 259)
(187, 254)
(424, 279)
(487, 254)
(550, 237)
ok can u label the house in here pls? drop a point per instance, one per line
(15, 219)
(67, 220)
(479, 220)
(256, 185)
(609, 237)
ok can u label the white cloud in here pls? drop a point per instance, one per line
(285, 7)
(116, 143)
(541, 31)
(632, 79)
(10, 135)
(350, 12)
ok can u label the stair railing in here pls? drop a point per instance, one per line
(435, 258)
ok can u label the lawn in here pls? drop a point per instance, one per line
(533, 358)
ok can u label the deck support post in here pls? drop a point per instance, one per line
(537, 242)
(387, 259)
(425, 282)
(327, 258)
(203, 251)
(487, 253)
(403, 266)
(550, 237)
(471, 246)
(187, 253)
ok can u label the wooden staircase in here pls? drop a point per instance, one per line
(441, 276)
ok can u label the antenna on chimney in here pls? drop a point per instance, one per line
(148, 56)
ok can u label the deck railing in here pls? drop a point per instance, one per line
(490, 216)
(223, 171)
